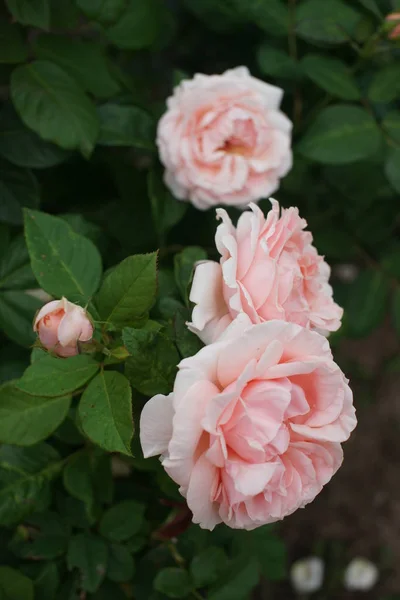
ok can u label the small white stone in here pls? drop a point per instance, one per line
(360, 574)
(307, 574)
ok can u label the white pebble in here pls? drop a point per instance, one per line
(307, 574)
(360, 574)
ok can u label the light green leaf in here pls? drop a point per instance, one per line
(138, 26)
(167, 211)
(330, 21)
(184, 264)
(391, 124)
(18, 188)
(173, 582)
(77, 478)
(206, 566)
(122, 521)
(88, 553)
(25, 474)
(53, 376)
(128, 291)
(12, 44)
(367, 303)
(85, 61)
(15, 269)
(65, 263)
(341, 134)
(26, 420)
(332, 75)
(17, 310)
(23, 147)
(238, 579)
(31, 12)
(122, 125)
(392, 168)
(14, 585)
(385, 85)
(277, 63)
(105, 411)
(120, 564)
(104, 11)
(50, 102)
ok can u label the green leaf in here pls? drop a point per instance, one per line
(120, 564)
(18, 188)
(173, 582)
(77, 478)
(385, 85)
(271, 16)
(15, 269)
(138, 26)
(88, 553)
(332, 75)
(14, 585)
(122, 521)
(48, 537)
(105, 411)
(184, 264)
(265, 547)
(236, 582)
(206, 566)
(47, 582)
(17, 310)
(367, 302)
(25, 474)
(167, 211)
(85, 61)
(341, 134)
(31, 12)
(24, 147)
(12, 44)
(276, 63)
(331, 21)
(396, 311)
(151, 368)
(53, 376)
(128, 291)
(50, 102)
(372, 6)
(104, 11)
(391, 123)
(122, 125)
(392, 168)
(25, 419)
(65, 263)
(188, 343)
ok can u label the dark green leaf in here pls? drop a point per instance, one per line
(276, 63)
(85, 61)
(104, 11)
(122, 125)
(367, 303)
(238, 579)
(88, 553)
(47, 582)
(372, 6)
(120, 564)
(391, 123)
(265, 547)
(332, 75)
(105, 411)
(341, 134)
(53, 376)
(392, 168)
(12, 44)
(50, 102)
(14, 585)
(77, 478)
(331, 21)
(128, 291)
(65, 263)
(138, 26)
(18, 188)
(173, 582)
(385, 85)
(15, 269)
(184, 264)
(25, 419)
(31, 12)
(167, 211)
(122, 521)
(206, 566)
(271, 16)
(188, 343)
(17, 310)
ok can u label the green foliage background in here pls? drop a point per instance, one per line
(82, 85)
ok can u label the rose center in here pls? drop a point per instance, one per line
(242, 139)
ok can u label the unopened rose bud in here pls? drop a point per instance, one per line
(60, 325)
(394, 20)
(307, 574)
(360, 574)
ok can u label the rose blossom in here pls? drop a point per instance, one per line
(223, 139)
(252, 430)
(268, 269)
(394, 18)
(60, 325)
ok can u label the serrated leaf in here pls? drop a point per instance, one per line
(122, 521)
(25, 419)
(30, 12)
(18, 188)
(385, 85)
(341, 134)
(105, 411)
(83, 60)
(50, 102)
(14, 585)
(392, 167)
(331, 21)
(12, 44)
(65, 263)
(121, 566)
(122, 125)
(17, 310)
(128, 291)
(332, 75)
(166, 209)
(25, 474)
(88, 553)
(367, 303)
(53, 376)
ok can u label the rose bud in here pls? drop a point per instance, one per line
(307, 575)
(60, 324)
(394, 21)
(360, 574)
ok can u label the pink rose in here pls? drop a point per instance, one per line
(268, 269)
(394, 19)
(60, 325)
(252, 430)
(223, 139)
